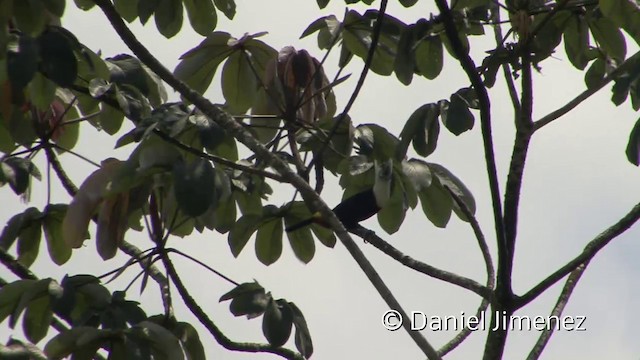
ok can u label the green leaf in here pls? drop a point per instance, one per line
(375, 140)
(42, 92)
(302, 244)
(58, 61)
(242, 289)
(457, 118)
(146, 8)
(69, 131)
(37, 319)
(457, 187)
(110, 119)
(422, 129)
(392, 215)
(84, 4)
(193, 186)
(29, 239)
(228, 7)
(357, 34)
(248, 299)
(429, 57)
(302, 336)
(74, 340)
(404, 65)
(322, 3)
(470, 4)
(56, 7)
(30, 16)
(277, 322)
(436, 203)
(326, 236)
(59, 250)
(190, 340)
(128, 9)
(242, 231)
(168, 16)
(199, 65)
(408, 3)
(239, 84)
(608, 37)
(202, 15)
(11, 294)
(22, 60)
(269, 242)
(593, 77)
(16, 171)
(225, 215)
(633, 146)
(164, 345)
(576, 41)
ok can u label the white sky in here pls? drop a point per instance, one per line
(577, 182)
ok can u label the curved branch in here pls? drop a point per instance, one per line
(491, 273)
(419, 266)
(469, 67)
(625, 66)
(220, 337)
(236, 130)
(587, 254)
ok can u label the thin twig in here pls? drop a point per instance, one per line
(491, 273)
(506, 69)
(563, 299)
(220, 337)
(221, 275)
(590, 251)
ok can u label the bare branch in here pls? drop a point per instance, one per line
(468, 65)
(419, 266)
(587, 254)
(491, 274)
(563, 299)
(625, 66)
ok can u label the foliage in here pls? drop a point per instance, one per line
(186, 172)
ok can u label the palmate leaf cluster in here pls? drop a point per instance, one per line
(51, 84)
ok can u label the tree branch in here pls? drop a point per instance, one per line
(506, 69)
(236, 130)
(220, 337)
(625, 66)
(484, 248)
(563, 299)
(587, 254)
(469, 67)
(421, 267)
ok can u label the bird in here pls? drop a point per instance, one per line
(360, 206)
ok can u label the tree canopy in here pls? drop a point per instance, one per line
(286, 132)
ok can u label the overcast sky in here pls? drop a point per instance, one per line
(577, 183)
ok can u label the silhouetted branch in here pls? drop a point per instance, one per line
(587, 254)
(563, 299)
